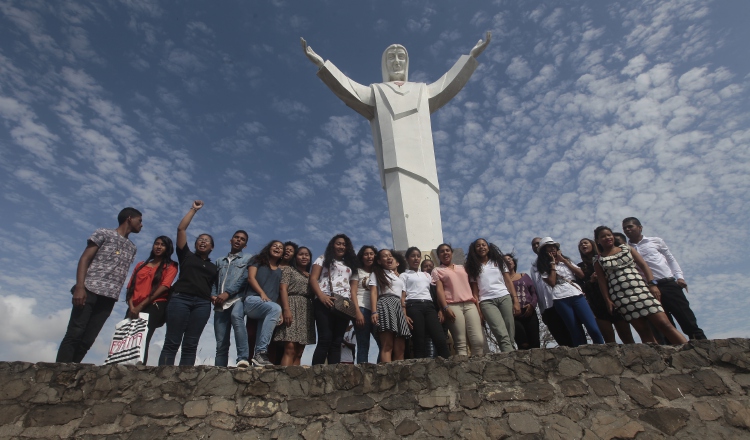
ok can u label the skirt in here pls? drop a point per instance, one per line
(302, 330)
(391, 316)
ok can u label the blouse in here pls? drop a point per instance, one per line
(490, 282)
(145, 277)
(417, 285)
(395, 289)
(455, 283)
(340, 275)
(563, 288)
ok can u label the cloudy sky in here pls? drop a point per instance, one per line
(580, 114)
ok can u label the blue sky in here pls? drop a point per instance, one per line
(580, 114)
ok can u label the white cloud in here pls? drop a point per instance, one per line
(518, 69)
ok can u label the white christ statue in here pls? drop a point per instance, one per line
(399, 114)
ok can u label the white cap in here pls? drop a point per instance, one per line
(547, 240)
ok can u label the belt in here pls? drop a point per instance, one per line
(418, 301)
(665, 280)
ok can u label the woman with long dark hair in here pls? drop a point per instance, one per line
(459, 307)
(261, 302)
(149, 286)
(624, 289)
(298, 329)
(189, 307)
(567, 297)
(387, 293)
(421, 311)
(493, 289)
(527, 322)
(590, 285)
(333, 273)
(366, 259)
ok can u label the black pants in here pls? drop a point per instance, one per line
(425, 321)
(331, 328)
(677, 306)
(527, 332)
(157, 316)
(84, 326)
(557, 327)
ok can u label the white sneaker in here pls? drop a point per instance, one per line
(243, 364)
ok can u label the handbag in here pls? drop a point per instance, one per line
(128, 344)
(341, 304)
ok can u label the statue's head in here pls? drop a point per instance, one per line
(395, 64)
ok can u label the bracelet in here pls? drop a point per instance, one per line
(445, 309)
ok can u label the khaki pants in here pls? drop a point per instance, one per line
(466, 326)
(498, 313)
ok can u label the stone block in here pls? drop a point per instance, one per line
(469, 399)
(606, 365)
(608, 425)
(573, 388)
(407, 427)
(642, 358)
(223, 405)
(602, 387)
(260, 408)
(438, 428)
(10, 413)
(221, 420)
(638, 392)
(557, 427)
(336, 431)
(689, 360)
(102, 414)
(570, 368)
(13, 389)
(313, 431)
(398, 401)
(498, 429)
(666, 420)
(533, 391)
(497, 372)
(529, 373)
(524, 423)
(352, 404)
(705, 411)
(221, 384)
(737, 413)
(196, 408)
(46, 415)
(157, 408)
(742, 379)
(307, 407)
(435, 398)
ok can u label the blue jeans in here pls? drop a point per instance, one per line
(267, 313)
(187, 315)
(363, 337)
(224, 320)
(575, 308)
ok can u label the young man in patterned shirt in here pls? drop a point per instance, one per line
(102, 270)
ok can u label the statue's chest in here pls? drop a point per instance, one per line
(400, 99)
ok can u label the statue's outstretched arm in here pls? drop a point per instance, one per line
(480, 46)
(315, 58)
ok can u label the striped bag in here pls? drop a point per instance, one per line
(129, 342)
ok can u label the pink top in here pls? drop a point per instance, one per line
(455, 283)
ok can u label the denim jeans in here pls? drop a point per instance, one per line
(575, 309)
(267, 313)
(363, 337)
(84, 326)
(224, 321)
(187, 315)
(426, 328)
(331, 328)
(498, 312)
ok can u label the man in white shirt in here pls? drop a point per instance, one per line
(550, 317)
(668, 276)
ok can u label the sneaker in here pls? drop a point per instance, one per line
(243, 364)
(261, 359)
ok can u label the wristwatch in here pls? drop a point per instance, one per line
(653, 282)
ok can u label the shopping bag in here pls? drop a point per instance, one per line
(129, 342)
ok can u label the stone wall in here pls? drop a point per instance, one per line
(696, 391)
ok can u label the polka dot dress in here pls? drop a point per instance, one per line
(626, 286)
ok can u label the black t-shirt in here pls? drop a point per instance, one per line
(196, 274)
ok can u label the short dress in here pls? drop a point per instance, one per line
(594, 296)
(390, 314)
(626, 286)
(302, 330)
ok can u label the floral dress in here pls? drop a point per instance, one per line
(627, 289)
(302, 330)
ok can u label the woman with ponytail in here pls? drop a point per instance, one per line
(149, 286)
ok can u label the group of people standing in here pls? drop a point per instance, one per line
(275, 301)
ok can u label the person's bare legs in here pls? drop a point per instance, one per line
(623, 331)
(386, 346)
(644, 331)
(661, 322)
(289, 353)
(299, 349)
(608, 333)
(399, 346)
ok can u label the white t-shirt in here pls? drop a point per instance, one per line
(363, 289)
(397, 285)
(490, 283)
(563, 289)
(347, 354)
(416, 285)
(341, 275)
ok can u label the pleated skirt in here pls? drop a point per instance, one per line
(391, 316)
